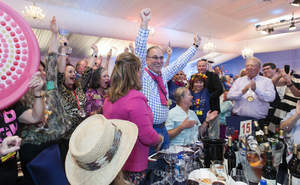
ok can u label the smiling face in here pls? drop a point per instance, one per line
(104, 80)
(80, 67)
(155, 60)
(198, 85)
(252, 67)
(70, 76)
(202, 66)
(268, 71)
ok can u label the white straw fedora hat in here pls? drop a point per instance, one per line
(98, 149)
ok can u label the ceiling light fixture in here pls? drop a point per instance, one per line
(34, 12)
(209, 47)
(288, 23)
(295, 3)
(292, 26)
(247, 52)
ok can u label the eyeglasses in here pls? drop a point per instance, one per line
(156, 57)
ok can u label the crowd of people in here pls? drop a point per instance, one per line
(162, 107)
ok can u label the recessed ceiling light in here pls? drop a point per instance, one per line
(277, 11)
(253, 20)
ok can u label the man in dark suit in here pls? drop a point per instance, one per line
(215, 89)
(213, 84)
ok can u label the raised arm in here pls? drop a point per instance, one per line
(169, 52)
(108, 56)
(35, 114)
(53, 45)
(131, 48)
(289, 83)
(142, 37)
(181, 61)
(92, 59)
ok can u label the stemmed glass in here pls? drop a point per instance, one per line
(170, 160)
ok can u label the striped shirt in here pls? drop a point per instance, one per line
(149, 86)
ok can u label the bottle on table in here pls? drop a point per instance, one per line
(266, 134)
(282, 174)
(259, 134)
(269, 171)
(230, 156)
(180, 169)
(293, 162)
(295, 180)
(262, 182)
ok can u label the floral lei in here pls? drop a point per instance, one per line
(203, 76)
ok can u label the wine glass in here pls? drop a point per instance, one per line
(229, 131)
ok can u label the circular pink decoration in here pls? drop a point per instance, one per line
(6, 50)
(24, 58)
(19, 71)
(13, 24)
(1, 65)
(8, 82)
(18, 31)
(7, 18)
(24, 44)
(5, 45)
(22, 37)
(22, 65)
(14, 87)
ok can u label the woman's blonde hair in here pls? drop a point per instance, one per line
(124, 76)
(179, 93)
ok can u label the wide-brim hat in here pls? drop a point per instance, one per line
(98, 149)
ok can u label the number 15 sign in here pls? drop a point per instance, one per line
(245, 128)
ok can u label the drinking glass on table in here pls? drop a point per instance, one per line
(254, 165)
(238, 175)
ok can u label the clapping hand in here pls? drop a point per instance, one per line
(253, 85)
(10, 144)
(37, 83)
(211, 115)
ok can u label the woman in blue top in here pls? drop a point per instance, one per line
(200, 95)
